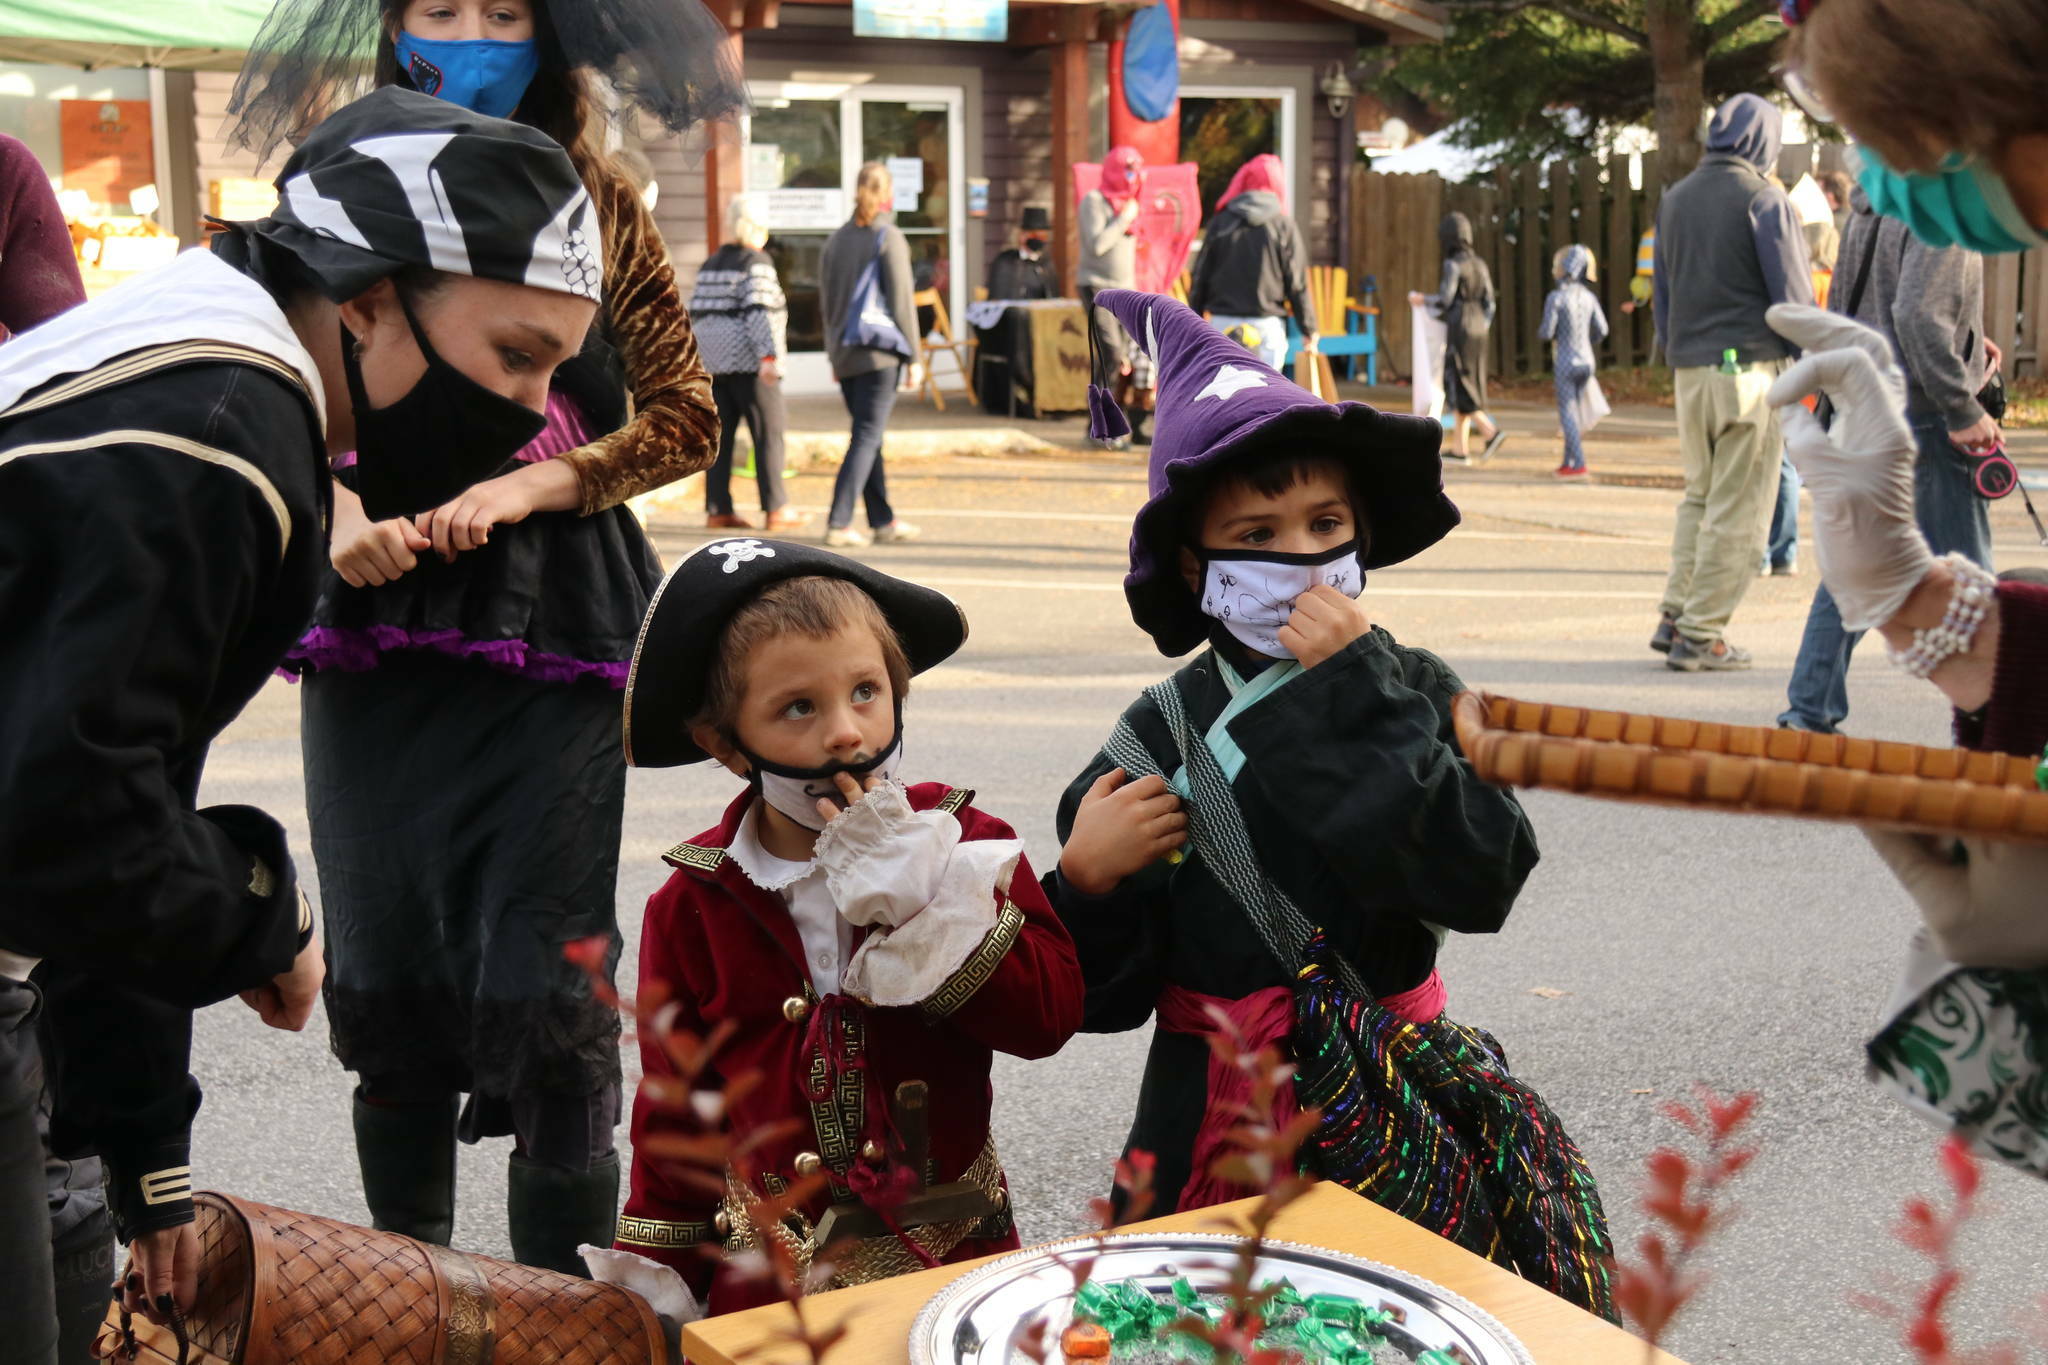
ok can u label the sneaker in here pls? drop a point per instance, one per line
(1493, 443)
(727, 521)
(1690, 656)
(843, 538)
(1666, 634)
(787, 519)
(1789, 569)
(1453, 457)
(1565, 471)
(897, 532)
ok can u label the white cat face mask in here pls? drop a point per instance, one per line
(1252, 592)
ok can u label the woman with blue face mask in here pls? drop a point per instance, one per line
(1944, 99)
(462, 676)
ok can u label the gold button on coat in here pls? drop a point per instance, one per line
(796, 1009)
(872, 1150)
(809, 1163)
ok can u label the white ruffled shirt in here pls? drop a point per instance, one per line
(927, 897)
(827, 936)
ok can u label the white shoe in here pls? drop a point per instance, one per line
(844, 538)
(897, 531)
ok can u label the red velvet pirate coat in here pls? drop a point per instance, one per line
(727, 950)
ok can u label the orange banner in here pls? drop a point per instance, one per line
(107, 149)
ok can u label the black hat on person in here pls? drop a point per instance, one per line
(401, 179)
(1036, 219)
(686, 621)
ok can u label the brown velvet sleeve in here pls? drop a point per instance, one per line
(674, 428)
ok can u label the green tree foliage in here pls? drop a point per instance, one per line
(1547, 78)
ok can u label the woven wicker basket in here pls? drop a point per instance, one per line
(1750, 768)
(283, 1288)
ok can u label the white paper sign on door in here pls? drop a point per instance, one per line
(764, 166)
(907, 174)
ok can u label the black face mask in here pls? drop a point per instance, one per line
(1034, 243)
(447, 433)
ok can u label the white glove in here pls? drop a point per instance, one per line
(1990, 911)
(1872, 554)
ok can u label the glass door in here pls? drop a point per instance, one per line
(914, 139)
(814, 138)
(795, 144)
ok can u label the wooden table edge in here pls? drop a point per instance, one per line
(879, 1316)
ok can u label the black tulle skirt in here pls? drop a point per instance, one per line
(466, 826)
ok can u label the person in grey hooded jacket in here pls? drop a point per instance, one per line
(1729, 245)
(1254, 265)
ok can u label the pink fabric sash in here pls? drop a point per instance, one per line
(1261, 1018)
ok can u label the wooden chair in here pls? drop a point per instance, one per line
(1349, 329)
(962, 351)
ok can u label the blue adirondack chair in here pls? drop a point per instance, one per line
(1328, 289)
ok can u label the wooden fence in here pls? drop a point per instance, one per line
(1528, 212)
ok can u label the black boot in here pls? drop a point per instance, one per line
(407, 1155)
(552, 1210)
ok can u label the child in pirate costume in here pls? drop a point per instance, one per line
(868, 939)
(1285, 830)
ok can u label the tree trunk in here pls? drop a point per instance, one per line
(1678, 61)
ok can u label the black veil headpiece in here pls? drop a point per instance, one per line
(667, 59)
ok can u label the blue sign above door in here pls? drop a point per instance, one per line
(966, 21)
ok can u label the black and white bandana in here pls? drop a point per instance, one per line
(399, 178)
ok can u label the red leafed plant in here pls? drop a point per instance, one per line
(1686, 1201)
(1932, 1233)
(1134, 1182)
(1266, 1161)
(698, 1147)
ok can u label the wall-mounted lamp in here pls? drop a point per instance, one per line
(1337, 89)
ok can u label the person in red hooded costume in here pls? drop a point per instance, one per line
(1109, 260)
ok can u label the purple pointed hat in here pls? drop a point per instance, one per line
(1218, 402)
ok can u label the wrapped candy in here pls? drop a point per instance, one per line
(1085, 1341)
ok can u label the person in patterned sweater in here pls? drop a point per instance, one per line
(872, 944)
(742, 331)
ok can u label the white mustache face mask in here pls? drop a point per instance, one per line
(1252, 593)
(796, 792)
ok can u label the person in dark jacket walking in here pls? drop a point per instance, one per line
(1928, 303)
(1464, 299)
(188, 418)
(742, 322)
(1253, 263)
(868, 374)
(1729, 245)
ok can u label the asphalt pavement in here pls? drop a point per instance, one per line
(1652, 949)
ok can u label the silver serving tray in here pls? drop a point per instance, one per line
(977, 1319)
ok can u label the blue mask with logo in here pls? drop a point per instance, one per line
(487, 75)
(1963, 203)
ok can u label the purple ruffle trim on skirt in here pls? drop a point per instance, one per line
(357, 651)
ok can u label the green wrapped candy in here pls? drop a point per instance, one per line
(1185, 1293)
(1335, 1308)
(1284, 1293)
(1434, 1357)
(1091, 1299)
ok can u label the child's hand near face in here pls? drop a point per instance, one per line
(1121, 829)
(849, 787)
(1323, 622)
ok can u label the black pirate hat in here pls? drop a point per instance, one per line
(686, 622)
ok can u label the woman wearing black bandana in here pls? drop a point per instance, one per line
(163, 458)
(462, 677)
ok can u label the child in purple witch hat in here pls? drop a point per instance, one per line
(1283, 832)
